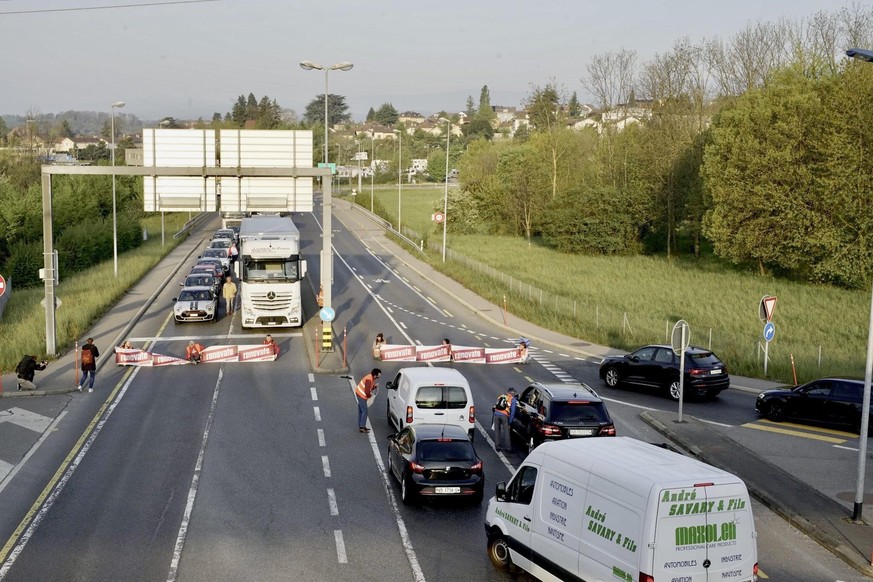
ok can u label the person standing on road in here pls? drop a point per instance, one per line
(365, 390)
(229, 293)
(89, 365)
(25, 371)
(504, 414)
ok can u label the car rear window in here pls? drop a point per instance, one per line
(578, 412)
(704, 359)
(445, 451)
(438, 397)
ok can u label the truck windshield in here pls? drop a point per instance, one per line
(277, 270)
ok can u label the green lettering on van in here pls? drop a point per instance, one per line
(706, 534)
(621, 574)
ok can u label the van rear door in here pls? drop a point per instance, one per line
(441, 404)
(705, 532)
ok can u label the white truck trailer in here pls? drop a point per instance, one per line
(270, 271)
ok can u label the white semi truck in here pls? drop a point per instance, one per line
(270, 271)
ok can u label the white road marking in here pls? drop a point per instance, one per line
(317, 412)
(311, 378)
(340, 547)
(331, 502)
(245, 336)
(5, 469)
(325, 465)
(321, 442)
(313, 393)
(27, 419)
(7, 475)
(195, 482)
(403, 325)
(853, 449)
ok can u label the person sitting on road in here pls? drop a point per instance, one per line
(268, 341)
(377, 346)
(523, 355)
(127, 345)
(194, 352)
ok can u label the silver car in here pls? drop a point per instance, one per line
(195, 304)
(220, 254)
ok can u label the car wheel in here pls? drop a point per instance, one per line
(775, 411)
(406, 493)
(673, 391)
(498, 552)
(612, 377)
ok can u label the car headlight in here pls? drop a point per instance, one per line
(210, 307)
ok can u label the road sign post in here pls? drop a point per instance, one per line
(2, 285)
(679, 341)
(765, 314)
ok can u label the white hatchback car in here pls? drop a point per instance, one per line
(431, 395)
(195, 304)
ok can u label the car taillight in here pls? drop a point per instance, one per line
(607, 430)
(477, 467)
(408, 415)
(646, 577)
(755, 570)
(415, 467)
(472, 416)
(549, 430)
(697, 372)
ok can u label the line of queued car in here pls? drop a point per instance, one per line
(198, 299)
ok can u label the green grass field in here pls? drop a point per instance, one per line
(626, 302)
(84, 296)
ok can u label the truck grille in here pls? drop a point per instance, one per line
(279, 302)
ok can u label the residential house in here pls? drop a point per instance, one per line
(411, 118)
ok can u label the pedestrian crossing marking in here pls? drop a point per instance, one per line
(26, 419)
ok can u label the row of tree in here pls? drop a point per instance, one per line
(753, 147)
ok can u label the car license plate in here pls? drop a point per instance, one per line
(581, 432)
(445, 490)
(714, 372)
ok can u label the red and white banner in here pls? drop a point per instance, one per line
(212, 354)
(444, 353)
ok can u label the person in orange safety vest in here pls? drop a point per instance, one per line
(365, 390)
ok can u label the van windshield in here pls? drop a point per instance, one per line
(434, 397)
(578, 412)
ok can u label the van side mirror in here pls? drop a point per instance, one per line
(500, 491)
(175, 299)
(390, 385)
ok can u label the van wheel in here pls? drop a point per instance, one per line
(406, 493)
(775, 411)
(673, 392)
(498, 552)
(611, 377)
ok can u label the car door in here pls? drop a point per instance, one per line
(844, 406)
(525, 411)
(639, 364)
(398, 451)
(664, 369)
(810, 402)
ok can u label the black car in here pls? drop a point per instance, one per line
(836, 401)
(658, 367)
(560, 411)
(435, 460)
(202, 279)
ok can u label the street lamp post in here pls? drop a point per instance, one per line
(116, 105)
(343, 66)
(864, 55)
(399, 177)
(373, 168)
(446, 197)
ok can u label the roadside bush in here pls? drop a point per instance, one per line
(23, 264)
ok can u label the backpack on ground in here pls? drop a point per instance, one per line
(87, 356)
(502, 403)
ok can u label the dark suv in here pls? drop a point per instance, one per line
(658, 367)
(560, 411)
(828, 400)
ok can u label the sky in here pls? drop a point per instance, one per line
(190, 59)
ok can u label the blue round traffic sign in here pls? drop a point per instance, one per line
(769, 330)
(327, 314)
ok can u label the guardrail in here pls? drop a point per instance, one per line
(388, 226)
(191, 224)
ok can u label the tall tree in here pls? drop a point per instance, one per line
(370, 114)
(470, 108)
(611, 77)
(386, 115)
(574, 109)
(338, 110)
(485, 110)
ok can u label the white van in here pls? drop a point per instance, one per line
(431, 395)
(620, 509)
